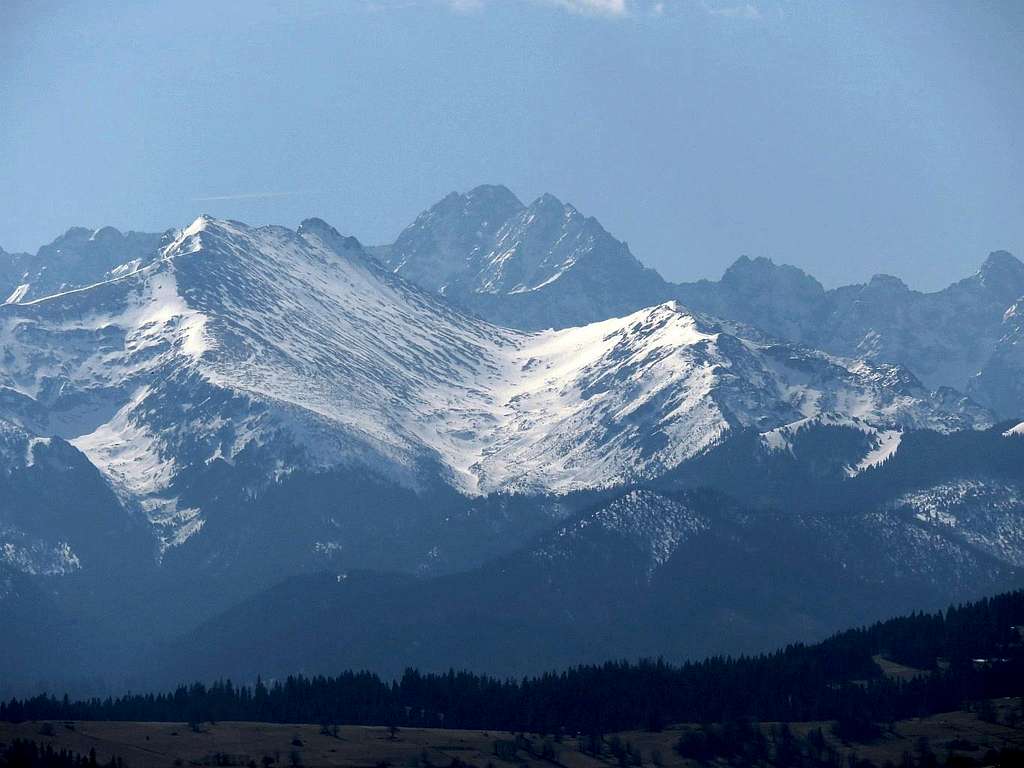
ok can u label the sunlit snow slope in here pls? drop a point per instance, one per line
(282, 350)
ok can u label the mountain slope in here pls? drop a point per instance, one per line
(77, 258)
(945, 337)
(530, 267)
(56, 511)
(546, 265)
(446, 241)
(294, 350)
(1000, 381)
(781, 300)
(664, 573)
(254, 405)
(645, 574)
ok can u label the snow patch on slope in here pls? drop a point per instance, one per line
(35, 557)
(985, 513)
(18, 294)
(656, 525)
(560, 387)
(885, 442)
(886, 445)
(781, 438)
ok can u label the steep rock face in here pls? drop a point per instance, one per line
(1000, 382)
(11, 272)
(781, 300)
(533, 267)
(77, 258)
(447, 241)
(58, 515)
(945, 337)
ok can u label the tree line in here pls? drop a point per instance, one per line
(966, 653)
(24, 753)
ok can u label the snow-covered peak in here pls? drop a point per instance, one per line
(436, 249)
(264, 347)
(317, 227)
(201, 222)
(945, 337)
(539, 266)
(550, 206)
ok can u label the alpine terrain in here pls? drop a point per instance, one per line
(242, 450)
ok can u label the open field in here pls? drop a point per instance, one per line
(170, 745)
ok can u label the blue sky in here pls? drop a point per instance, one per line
(846, 138)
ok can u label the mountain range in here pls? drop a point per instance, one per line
(499, 442)
(547, 266)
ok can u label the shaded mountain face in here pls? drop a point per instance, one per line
(67, 548)
(56, 509)
(700, 566)
(41, 643)
(533, 267)
(946, 338)
(447, 242)
(243, 406)
(77, 258)
(1000, 381)
(781, 300)
(670, 574)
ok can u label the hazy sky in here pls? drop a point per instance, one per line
(846, 138)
